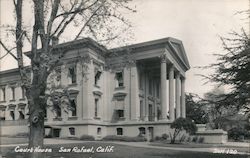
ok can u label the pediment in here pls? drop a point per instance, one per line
(178, 48)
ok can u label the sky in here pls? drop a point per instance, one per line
(197, 23)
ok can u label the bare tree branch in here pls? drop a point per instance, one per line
(77, 10)
(8, 51)
(87, 22)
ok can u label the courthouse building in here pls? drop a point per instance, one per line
(131, 90)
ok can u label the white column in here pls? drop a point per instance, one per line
(163, 87)
(183, 102)
(177, 95)
(171, 93)
(155, 99)
(146, 96)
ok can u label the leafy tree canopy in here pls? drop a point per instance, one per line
(195, 109)
(233, 70)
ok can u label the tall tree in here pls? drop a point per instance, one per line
(233, 70)
(195, 109)
(96, 18)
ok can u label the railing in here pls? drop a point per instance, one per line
(13, 122)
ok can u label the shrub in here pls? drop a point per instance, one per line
(87, 137)
(182, 124)
(157, 138)
(195, 139)
(164, 136)
(236, 133)
(124, 138)
(182, 138)
(201, 140)
(188, 139)
(24, 134)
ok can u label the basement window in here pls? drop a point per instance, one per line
(119, 131)
(72, 131)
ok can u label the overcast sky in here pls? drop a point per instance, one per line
(198, 23)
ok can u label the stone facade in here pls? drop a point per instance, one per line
(129, 90)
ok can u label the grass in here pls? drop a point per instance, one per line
(120, 151)
(12, 140)
(200, 145)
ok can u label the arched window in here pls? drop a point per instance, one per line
(99, 131)
(72, 131)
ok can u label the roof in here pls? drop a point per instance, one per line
(78, 44)
(175, 45)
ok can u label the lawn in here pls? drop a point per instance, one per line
(200, 145)
(120, 151)
(13, 140)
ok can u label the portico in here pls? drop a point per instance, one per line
(174, 92)
(161, 89)
(161, 79)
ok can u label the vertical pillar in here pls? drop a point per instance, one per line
(146, 96)
(183, 102)
(163, 87)
(171, 93)
(177, 95)
(155, 99)
(134, 92)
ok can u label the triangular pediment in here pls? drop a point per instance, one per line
(178, 48)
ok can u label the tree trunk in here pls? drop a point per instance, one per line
(36, 120)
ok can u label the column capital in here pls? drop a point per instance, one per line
(163, 58)
(177, 74)
(183, 78)
(171, 67)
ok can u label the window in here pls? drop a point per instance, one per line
(2, 114)
(150, 89)
(158, 89)
(58, 76)
(3, 95)
(72, 131)
(142, 131)
(96, 107)
(120, 113)
(13, 93)
(97, 77)
(58, 111)
(23, 93)
(99, 131)
(72, 74)
(119, 131)
(158, 113)
(141, 109)
(141, 81)
(12, 115)
(21, 114)
(73, 106)
(119, 79)
(45, 113)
